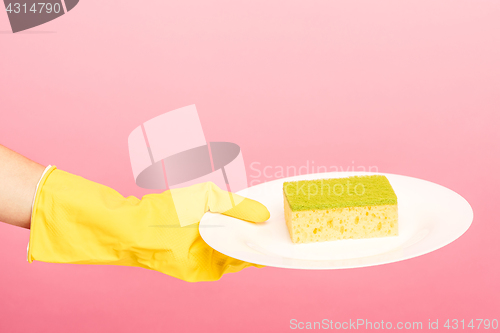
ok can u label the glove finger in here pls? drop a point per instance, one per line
(192, 202)
(249, 210)
(235, 205)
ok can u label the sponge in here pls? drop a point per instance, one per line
(340, 208)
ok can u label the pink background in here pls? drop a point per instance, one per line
(412, 87)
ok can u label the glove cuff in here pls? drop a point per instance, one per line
(48, 170)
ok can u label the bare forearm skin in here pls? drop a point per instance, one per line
(18, 179)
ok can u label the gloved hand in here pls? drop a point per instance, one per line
(78, 221)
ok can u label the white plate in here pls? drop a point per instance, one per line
(430, 217)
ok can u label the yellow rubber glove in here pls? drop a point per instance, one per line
(78, 221)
